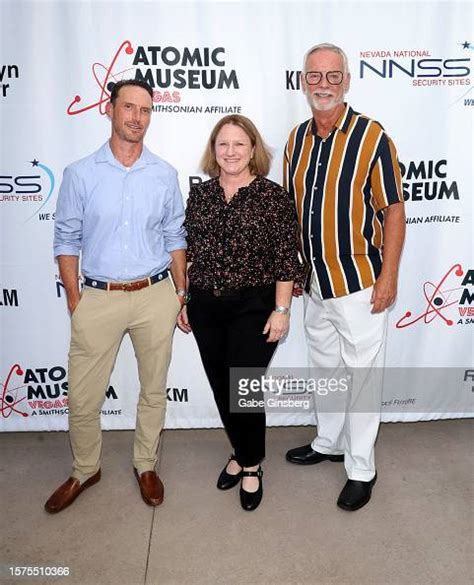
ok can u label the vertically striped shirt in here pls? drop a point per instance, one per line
(340, 185)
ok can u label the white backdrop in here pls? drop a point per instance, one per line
(412, 66)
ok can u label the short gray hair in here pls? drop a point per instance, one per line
(327, 47)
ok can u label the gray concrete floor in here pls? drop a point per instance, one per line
(417, 528)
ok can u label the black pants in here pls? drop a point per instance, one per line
(228, 331)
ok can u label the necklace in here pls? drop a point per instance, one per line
(228, 196)
(231, 191)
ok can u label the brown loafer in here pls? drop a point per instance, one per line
(66, 493)
(151, 487)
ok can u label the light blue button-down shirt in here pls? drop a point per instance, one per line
(124, 221)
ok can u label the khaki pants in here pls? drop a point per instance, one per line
(98, 325)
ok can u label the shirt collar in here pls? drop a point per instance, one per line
(342, 123)
(105, 154)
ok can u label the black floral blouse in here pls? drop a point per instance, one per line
(251, 241)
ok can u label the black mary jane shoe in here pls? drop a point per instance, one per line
(251, 500)
(227, 481)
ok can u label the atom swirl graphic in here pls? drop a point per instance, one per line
(106, 82)
(437, 298)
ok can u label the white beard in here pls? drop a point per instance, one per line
(314, 103)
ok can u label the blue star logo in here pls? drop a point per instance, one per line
(466, 45)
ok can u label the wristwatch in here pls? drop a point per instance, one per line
(282, 310)
(182, 292)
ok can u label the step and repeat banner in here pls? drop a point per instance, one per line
(412, 69)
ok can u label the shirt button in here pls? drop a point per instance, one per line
(125, 223)
(312, 213)
(315, 188)
(126, 246)
(319, 164)
(126, 198)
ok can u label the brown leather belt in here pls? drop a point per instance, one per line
(129, 286)
(126, 286)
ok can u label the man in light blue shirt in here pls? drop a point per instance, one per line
(121, 210)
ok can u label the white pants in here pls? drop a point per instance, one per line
(344, 337)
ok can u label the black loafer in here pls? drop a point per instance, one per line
(306, 455)
(227, 481)
(251, 500)
(356, 494)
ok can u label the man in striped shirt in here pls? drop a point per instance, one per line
(342, 172)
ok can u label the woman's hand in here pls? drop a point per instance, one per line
(277, 326)
(182, 320)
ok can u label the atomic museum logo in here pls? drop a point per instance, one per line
(449, 300)
(43, 391)
(40, 391)
(176, 75)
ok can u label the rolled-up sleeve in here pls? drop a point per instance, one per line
(386, 178)
(69, 217)
(173, 219)
(189, 224)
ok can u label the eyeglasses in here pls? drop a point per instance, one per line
(332, 77)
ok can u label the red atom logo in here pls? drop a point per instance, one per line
(109, 79)
(10, 399)
(438, 299)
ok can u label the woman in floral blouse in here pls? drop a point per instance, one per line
(243, 259)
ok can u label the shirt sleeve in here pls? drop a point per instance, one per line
(189, 223)
(386, 177)
(286, 167)
(173, 228)
(285, 240)
(69, 216)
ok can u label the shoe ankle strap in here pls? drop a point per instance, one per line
(257, 473)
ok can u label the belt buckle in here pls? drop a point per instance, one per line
(127, 286)
(217, 292)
